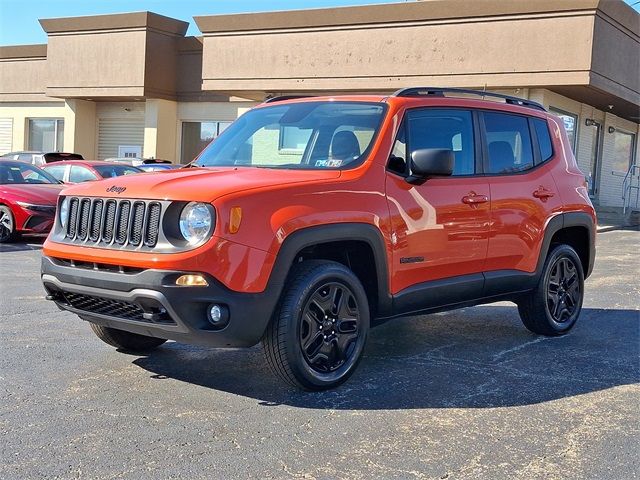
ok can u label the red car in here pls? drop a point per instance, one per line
(28, 199)
(78, 171)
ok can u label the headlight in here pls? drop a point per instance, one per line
(196, 223)
(64, 212)
(37, 208)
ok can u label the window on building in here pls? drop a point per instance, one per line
(570, 121)
(544, 139)
(508, 142)
(46, 135)
(197, 135)
(444, 128)
(293, 139)
(623, 148)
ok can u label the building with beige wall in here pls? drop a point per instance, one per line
(135, 85)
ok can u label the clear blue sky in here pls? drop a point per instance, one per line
(19, 18)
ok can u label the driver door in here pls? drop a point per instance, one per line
(440, 228)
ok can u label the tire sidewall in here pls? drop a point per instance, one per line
(562, 251)
(301, 369)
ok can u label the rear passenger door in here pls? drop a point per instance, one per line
(440, 227)
(518, 161)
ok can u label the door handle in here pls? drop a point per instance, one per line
(542, 193)
(474, 199)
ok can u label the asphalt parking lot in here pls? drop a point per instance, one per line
(460, 395)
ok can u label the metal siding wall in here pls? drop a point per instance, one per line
(119, 124)
(6, 135)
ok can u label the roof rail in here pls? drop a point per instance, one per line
(440, 92)
(282, 98)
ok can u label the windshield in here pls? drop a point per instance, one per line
(316, 135)
(107, 171)
(13, 173)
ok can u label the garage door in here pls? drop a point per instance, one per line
(6, 135)
(119, 124)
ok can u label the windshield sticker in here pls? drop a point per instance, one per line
(328, 163)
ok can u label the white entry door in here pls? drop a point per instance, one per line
(129, 151)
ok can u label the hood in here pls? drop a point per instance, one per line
(37, 194)
(196, 184)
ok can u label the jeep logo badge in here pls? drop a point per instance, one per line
(114, 189)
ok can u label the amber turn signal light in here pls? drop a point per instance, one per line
(235, 217)
(191, 281)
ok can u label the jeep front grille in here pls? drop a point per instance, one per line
(113, 222)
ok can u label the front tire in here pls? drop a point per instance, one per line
(553, 308)
(126, 341)
(316, 338)
(7, 225)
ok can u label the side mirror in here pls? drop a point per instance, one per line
(430, 162)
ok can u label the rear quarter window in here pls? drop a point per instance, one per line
(544, 139)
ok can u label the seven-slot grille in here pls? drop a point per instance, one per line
(106, 222)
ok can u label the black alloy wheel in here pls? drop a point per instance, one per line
(330, 327)
(563, 290)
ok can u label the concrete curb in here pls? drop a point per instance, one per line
(611, 228)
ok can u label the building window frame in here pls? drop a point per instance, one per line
(58, 141)
(181, 135)
(560, 112)
(633, 147)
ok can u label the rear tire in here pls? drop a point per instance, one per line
(7, 225)
(554, 306)
(316, 337)
(126, 341)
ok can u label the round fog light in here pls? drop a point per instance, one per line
(218, 315)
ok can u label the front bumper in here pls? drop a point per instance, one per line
(148, 302)
(34, 222)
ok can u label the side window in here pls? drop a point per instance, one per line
(451, 129)
(57, 171)
(544, 139)
(508, 142)
(81, 174)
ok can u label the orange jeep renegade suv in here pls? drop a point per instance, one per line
(309, 220)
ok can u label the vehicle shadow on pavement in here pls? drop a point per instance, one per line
(479, 357)
(24, 243)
